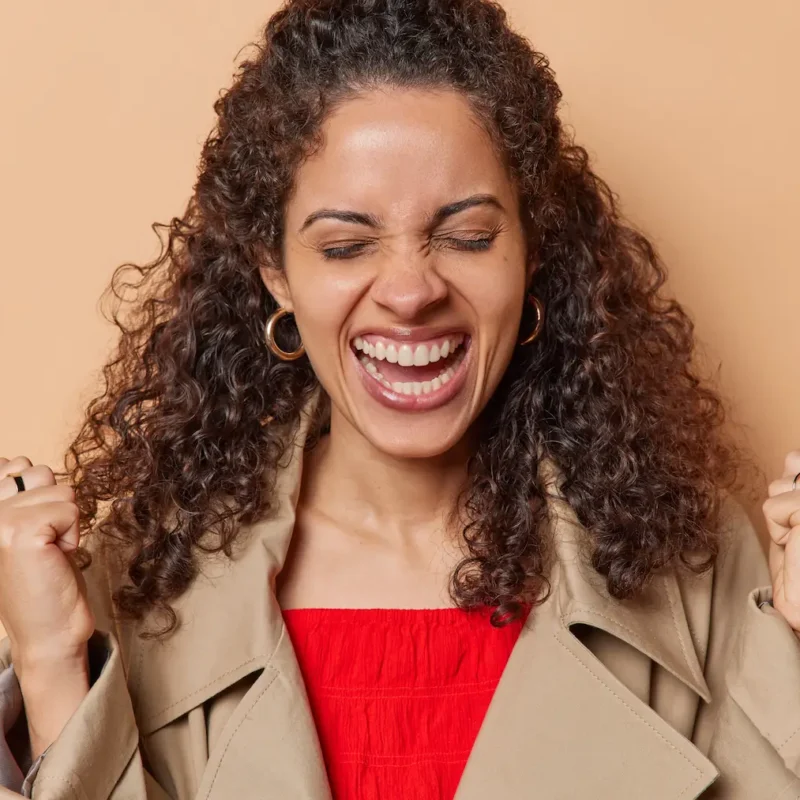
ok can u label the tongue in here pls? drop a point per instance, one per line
(395, 373)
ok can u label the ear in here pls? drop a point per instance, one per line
(277, 285)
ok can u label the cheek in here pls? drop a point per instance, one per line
(498, 297)
(323, 304)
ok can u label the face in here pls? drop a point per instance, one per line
(405, 268)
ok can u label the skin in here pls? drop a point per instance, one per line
(376, 492)
(371, 522)
(400, 155)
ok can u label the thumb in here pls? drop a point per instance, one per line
(55, 522)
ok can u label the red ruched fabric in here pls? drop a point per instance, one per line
(398, 695)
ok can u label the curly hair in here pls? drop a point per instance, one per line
(184, 442)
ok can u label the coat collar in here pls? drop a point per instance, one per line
(231, 626)
(230, 621)
(655, 623)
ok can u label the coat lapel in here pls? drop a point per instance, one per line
(560, 724)
(555, 702)
(231, 628)
(230, 621)
(269, 749)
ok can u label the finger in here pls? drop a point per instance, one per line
(17, 464)
(791, 570)
(64, 521)
(60, 493)
(775, 558)
(791, 464)
(784, 484)
(782, 513)
(68, 543)
(44, 523)
(33, 477)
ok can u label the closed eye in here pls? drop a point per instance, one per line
(346, 251)
(478, 244)
(474, 245)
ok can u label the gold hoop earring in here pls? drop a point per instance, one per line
(537, 304)
(269, 337)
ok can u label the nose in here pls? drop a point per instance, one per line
(409, 290)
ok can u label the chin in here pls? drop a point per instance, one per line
(415, 439)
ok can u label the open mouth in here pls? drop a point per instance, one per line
(412, 374)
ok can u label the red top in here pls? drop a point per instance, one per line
(398, 695)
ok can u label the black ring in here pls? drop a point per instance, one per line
(20, 483)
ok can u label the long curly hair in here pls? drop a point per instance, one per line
(182, 447)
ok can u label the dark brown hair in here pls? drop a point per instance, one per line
(191, 422)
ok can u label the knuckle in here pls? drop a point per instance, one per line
(792, 459)
(45, 474)
(775, 487)
(66, 493)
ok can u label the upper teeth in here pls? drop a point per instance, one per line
(407, 355)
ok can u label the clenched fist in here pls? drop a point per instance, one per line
(42, 600)
(43, 604)
(782, 512)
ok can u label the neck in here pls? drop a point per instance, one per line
(365, 487)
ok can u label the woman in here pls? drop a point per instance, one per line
(463, 528)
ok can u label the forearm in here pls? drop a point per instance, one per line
(52, 691)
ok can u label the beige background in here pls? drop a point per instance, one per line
(689, 109)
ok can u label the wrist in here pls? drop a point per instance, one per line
(43, 670)
(51, 693)
(49, 660)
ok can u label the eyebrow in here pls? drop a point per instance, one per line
(432, 221)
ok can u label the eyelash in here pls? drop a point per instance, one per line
(467, 245)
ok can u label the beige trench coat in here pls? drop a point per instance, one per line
(694, 691)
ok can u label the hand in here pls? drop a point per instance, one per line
(43, 604)
(782, 512)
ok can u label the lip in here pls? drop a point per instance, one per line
(419, 334)
(421, 402)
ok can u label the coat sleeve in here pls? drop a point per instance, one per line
(97, 754)
(752, 728)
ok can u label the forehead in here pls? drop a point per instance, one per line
(400, 152)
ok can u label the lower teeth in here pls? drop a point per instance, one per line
(414, 387)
